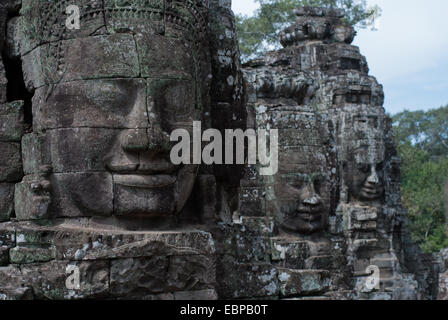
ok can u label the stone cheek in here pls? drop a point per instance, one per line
(114, 103)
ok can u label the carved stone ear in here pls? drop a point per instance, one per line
(32, 198)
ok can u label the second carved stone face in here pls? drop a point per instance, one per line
(301, 195)
(364, 174)
(304, 203)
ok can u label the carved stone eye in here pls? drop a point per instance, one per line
(380, 166)
(365, 168)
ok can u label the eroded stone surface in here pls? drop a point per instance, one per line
(86, 182)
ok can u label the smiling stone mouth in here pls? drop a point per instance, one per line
(144, 181)
(306, 216)
(371, 191)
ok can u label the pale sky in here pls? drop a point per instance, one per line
(408, 54)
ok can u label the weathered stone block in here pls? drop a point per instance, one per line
(81, 194)
(209, 294)
(25, 255)
(7, 235)
(36, 30)
(263, 226)
(35, 153)
(366, 248)
(252, 201)
(443, 286)
(252, 208)
(32, 198)
(290, 253)
(158, 274)
(153, 48)
(3, 84)
(11, 163)
(327, 262)
(80, 149)
(48, 281)
(4, 256)
(32, 234)
(92, 244)
(12, 285)
(253, 280)
(11, 121)
(6, 201)
(244, 245)
(303, 282)
(151, 20)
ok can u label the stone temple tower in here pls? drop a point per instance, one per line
(87, 186)
(329, 112)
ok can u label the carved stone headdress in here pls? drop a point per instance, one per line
(47, 18)
(43, 24)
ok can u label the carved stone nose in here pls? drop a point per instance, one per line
(310, 197)
(158, 140)
(373, 178)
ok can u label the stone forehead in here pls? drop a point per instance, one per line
(368, 151)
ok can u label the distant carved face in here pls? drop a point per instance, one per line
(303, 202)
(364, 175)
(110, 138)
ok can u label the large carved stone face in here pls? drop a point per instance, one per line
(106, 106)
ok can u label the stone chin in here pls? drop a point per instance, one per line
(304, 226)
(123, 195)
(368, 194)
(157, 195)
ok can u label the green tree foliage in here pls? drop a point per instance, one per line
(428, 131)
(422, 139)
(258, 33)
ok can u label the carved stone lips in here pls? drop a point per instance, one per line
(371, 192)
(306, 216)
(144, 181)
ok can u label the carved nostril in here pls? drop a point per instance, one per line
(158, 140)
(134, 140)
(312, 201)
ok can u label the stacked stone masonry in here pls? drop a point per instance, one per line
(86, 182)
